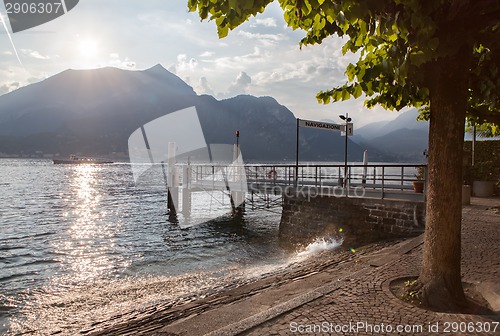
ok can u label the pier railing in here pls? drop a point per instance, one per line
(373, 180)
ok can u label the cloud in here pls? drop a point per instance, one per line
(184, 67)
(8, 87)
(187, 69)
(182, 31)
(239, 62)
(34, 54)
(207, 54)
(32, 80)
(8, 53)
(184, 64)
(116, 61)
(263, 38)
(240, 85)
(267, 22)
(172, 69)
(203, 87)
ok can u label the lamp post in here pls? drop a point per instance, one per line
(474, 134)
(237, 144)
(347, 121)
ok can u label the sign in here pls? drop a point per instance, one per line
(321, 125)
(350, 130)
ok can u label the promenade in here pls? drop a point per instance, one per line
(346, 293)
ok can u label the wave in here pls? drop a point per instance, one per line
(320, 245)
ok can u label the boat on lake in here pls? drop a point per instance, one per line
(73, 159)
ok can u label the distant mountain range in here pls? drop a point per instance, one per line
(404, 138)
(93, 112)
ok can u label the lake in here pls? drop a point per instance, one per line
(79, 243)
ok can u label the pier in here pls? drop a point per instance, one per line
(362, 204)
(243, 182)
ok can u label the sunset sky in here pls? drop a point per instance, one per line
(262, 57)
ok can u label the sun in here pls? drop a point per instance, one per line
(88, 47)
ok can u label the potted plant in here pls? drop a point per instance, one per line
(418, 185)
(483, 176)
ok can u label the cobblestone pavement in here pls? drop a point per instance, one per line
(347, 295)
(367, 302)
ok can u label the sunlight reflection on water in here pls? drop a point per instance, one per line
(90, 239)
(83, 242)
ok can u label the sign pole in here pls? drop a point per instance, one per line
(348, 131)
(345, 156)
(347, 128)
(297, 157)
(345, 162)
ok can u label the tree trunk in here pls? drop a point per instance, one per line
(440, 278)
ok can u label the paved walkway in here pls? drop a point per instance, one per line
(348, 296)
(366, 301)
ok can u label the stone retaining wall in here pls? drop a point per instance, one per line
(358, 220)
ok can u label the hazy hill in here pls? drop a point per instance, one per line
(404, 138)
(93, 112)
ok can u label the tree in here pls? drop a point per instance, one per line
(439, 54)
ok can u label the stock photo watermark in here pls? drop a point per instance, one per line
(388, 328)
(26, 14)
(187, 167)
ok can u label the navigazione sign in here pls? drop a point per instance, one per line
(346, 129)
(321, 125)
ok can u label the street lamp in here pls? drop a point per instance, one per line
(347, 121)
(237, 143)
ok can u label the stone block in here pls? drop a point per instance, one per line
(362, 220)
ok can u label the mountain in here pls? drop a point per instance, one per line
(370, 131)
(403, 139)
(93, 112)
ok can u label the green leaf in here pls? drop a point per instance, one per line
(418, 58)
(222, 31)
(345, 94)
(350, 72)
(233, 4)
(358, 91)
(337, 95)
(246, 5)
(392, 37)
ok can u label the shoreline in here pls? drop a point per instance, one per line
(342, 287)
(317, 268)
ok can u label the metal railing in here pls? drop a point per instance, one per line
(376, 180)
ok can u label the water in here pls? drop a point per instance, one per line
(79, 243)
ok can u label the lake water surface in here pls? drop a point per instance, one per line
(79, 243)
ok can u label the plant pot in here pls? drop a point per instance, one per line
(466, 195)
(483, 188)
(418, 186)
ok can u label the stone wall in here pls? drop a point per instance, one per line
(358, 220)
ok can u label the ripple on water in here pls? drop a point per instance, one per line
(81, 244)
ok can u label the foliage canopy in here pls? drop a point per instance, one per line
(395, 39)
(442, 56)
